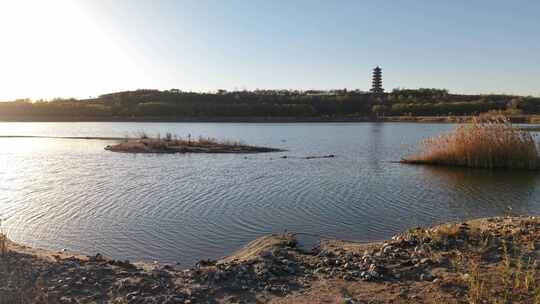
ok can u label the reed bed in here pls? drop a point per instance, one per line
(488, 142)
(173, 139)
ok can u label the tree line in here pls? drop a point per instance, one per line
(142, 104)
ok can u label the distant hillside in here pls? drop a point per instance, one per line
(178, 105)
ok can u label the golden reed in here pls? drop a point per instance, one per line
(488, 142)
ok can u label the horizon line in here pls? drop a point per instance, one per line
(215, 91)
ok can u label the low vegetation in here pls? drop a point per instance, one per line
(171, 143)
(487, 142)
(495, 260)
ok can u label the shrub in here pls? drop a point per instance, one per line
(488, 142)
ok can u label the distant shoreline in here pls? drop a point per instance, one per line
(63, 137)
(192, 119)
(531, 119)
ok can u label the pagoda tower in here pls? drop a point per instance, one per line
(376, 86)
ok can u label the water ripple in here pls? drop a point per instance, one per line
(179, 208)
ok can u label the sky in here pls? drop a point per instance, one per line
(78, 48)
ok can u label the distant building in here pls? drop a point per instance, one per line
(376, 86)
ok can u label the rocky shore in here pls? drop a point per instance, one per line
(479, 261)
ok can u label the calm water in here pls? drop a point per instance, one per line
(64, 193)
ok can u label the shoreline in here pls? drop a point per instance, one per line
(528, 119)
(193, 119)
(63, 137)
(439, 264)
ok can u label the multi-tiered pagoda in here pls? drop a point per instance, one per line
(376, 86)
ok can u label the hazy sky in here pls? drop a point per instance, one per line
(86, 48)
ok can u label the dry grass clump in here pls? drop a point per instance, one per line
(488, 142)
(488, 263)
(514, 280)
(171, 139)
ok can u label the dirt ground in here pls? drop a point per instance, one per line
(490, 260)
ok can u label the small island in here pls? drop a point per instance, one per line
(174, 144)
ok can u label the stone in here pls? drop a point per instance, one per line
(291, 270)
(97, 258)
(426, 277)
(348, 301)
(68, 300)
(266, 254)
(160, 273)
(132, 296)
(366, 276)
(387, 249)
(325, 254)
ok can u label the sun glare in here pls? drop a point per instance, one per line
(55, 47)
